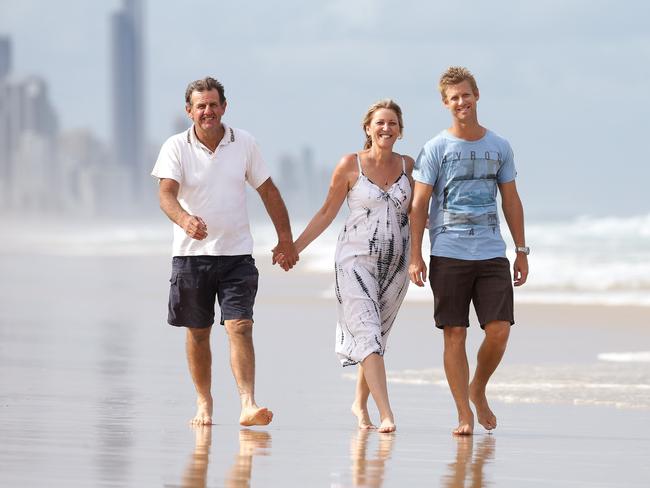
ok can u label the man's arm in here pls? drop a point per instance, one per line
(168, 195)
(418, 217)
(513, 211)
(276, 209)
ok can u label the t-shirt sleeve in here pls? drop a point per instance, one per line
(256, 170)
(507, 172)
(426, 167)
(168, 164)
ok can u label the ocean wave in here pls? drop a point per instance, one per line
(621, 385)
(588, 260)
(625, 357)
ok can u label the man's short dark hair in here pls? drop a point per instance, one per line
(205, 84)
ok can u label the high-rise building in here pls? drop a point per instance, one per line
(34, 128)
(29, 126)
(5, 57)
(5, 150)
(129, 134)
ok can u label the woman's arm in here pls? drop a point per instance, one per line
(343, 178)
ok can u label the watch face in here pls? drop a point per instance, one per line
(524, 250)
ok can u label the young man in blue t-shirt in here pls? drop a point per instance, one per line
(457, 175)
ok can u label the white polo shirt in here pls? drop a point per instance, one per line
(212, 186)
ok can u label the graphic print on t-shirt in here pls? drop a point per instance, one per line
(470, 193)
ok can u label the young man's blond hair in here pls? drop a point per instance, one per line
(453, 76)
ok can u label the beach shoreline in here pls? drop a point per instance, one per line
(95, 390)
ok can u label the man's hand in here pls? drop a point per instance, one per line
(194, 227)
(417, 270)
(285, 255)
(520, 269)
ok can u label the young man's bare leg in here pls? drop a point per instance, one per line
(242, 362)
(360, 405)
(457, 372)
(375, 375)
(488, 358)
(199, 359)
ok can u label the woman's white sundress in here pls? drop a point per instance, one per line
(371, 261)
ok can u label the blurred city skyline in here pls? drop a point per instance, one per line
(299, 77)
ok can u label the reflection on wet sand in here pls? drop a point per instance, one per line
(369, 472)
(251, 443)
(196, 473)
(115, 407)
(467, 470)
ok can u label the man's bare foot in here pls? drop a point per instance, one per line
(255, 416)
(387, 425)
(484, 415)
(465, 425)
(362, 415)
(203, 412)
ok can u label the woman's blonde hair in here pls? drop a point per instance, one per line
(385, 103)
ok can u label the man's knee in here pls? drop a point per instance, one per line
(239, 328)
(199, 335)
(455, 336)
(497, 331)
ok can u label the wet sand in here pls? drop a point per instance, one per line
(94, 391)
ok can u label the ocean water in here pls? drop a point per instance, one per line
(624, 385)
(588, 260)
(94, 388)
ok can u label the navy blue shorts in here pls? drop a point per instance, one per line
(457, 282)
(197, 280)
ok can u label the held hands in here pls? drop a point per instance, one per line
(194, 227)
(417, 270)
(285, 255)
(520, 269)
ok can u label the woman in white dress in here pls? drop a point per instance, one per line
(372, 253)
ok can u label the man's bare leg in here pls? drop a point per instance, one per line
(242, 362)
(375, 375)
(199, 359)
(457, 372)
(488, 358)
(360, 405)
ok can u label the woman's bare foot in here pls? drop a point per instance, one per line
(203, 411)
(484, 415)
(387, 425)
(465, 427)
(255, 415)
(465, 422)
(362, 415)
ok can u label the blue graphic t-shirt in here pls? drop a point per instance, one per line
(463, 216)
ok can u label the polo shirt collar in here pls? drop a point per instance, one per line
(228, 137)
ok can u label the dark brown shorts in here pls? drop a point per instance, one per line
(457, 282)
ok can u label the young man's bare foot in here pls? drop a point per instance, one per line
(465, 426)
(484, 415)
(362, 415)
(387, 425)
(255, 416)
(203, 412)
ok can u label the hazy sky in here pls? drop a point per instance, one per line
(566, 81)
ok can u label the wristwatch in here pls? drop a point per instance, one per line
(523, 249)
